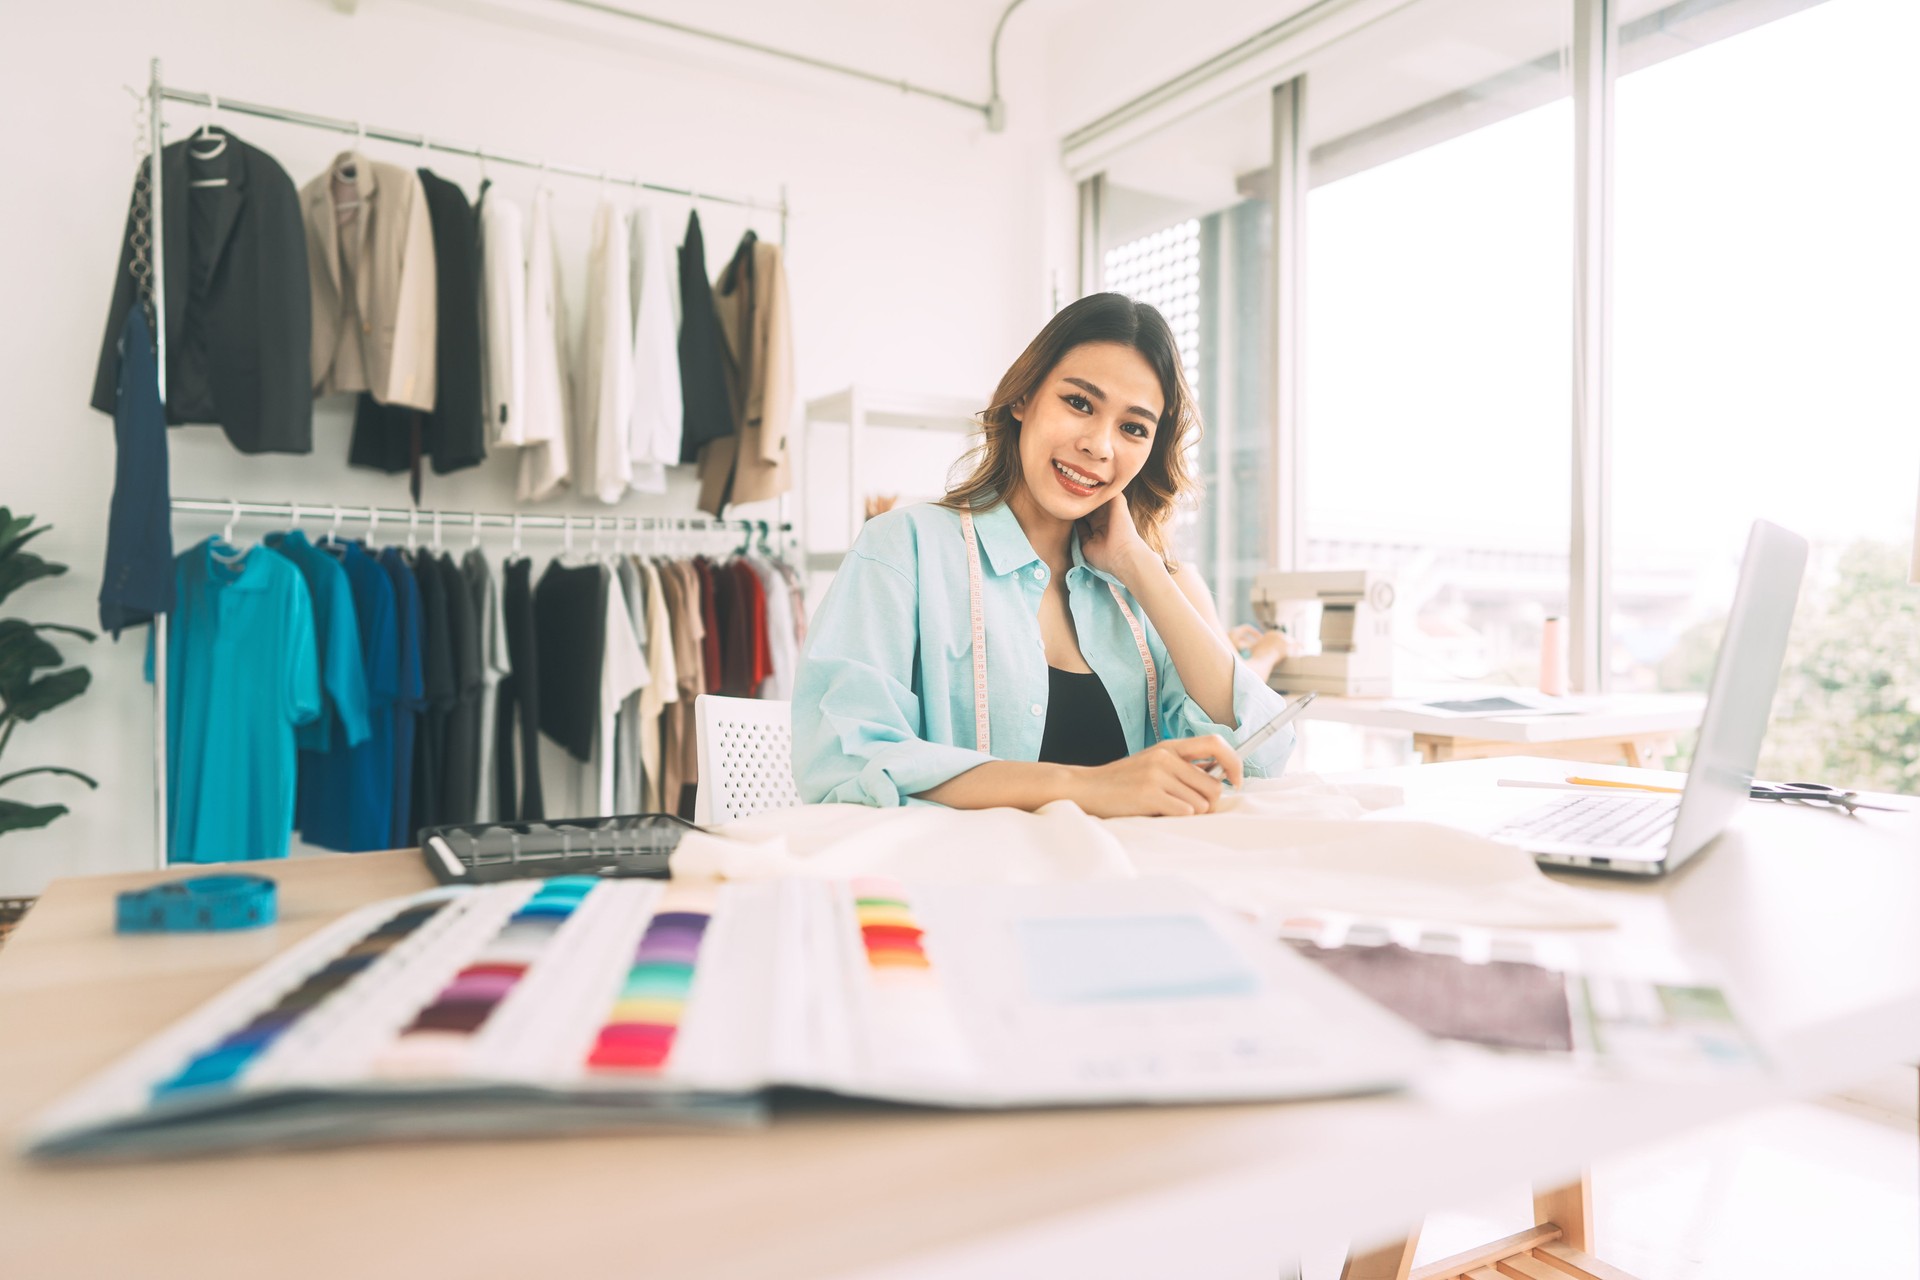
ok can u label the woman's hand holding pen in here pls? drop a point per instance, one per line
(1165, 780)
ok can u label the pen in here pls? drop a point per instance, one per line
(1265, 731)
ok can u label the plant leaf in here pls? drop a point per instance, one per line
(11, 528)
(22, 650)
(15, 816)
(16, 535)
(18, 569)
(64, 629)
(48, 768)
(45, 694)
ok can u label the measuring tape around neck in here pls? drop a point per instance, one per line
(982, 738)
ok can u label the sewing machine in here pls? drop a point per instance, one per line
(1341, 625)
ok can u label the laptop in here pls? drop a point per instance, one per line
(1645, 835)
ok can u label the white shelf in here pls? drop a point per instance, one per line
(896, 409)
(861, 408)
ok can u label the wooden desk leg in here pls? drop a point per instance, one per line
(1570, 1208)
(1388, 1262)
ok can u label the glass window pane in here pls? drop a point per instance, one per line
(1438, 333)
(1188, 230)
(1765, 338)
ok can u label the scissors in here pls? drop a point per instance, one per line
(1814, 793)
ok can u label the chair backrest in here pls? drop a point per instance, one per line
(746, 757)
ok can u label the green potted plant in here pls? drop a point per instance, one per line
(25, 653)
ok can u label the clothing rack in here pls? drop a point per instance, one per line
(158, 95)
(413, 518)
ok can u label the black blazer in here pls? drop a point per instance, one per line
(454, 434)
(238, 314)
(703, 352)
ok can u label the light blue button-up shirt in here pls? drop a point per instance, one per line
(883, 704)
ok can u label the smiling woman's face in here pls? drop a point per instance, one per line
(1089, 428)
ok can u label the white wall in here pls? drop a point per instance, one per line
(920, 248)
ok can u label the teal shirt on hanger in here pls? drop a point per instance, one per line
(242, 675)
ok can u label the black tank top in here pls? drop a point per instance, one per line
(1082, 726)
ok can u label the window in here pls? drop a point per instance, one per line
(1768, 187)
(1438, 338)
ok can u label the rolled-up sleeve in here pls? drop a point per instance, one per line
(856, 718)
(1253, 705)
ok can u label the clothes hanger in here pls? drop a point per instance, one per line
(566, 538)
(373, 524)
(437, 544)
(205, 144)
(224, 551)
(476, 530)
(348, 170)
(413, 529)
(516, 534)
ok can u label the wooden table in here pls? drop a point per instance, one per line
(1636, 729)
(1813, 918)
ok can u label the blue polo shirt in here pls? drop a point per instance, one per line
(343, 680)
(241, 676)
(346, 793)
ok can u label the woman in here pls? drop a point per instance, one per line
(1026, 639)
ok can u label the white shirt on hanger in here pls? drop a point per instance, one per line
(657, 415)
(602, 462)
(623, 672)
(504, 300)
(544, 463)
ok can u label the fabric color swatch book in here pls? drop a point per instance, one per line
(579, 1002)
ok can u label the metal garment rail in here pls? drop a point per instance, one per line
(358, 129)
(413, 518)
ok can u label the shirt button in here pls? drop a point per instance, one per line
(1039, 710)
(1039, 573)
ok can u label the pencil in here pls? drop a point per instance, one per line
(1628, 786)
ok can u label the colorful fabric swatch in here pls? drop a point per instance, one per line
(443, 1029)
(640, 1030)
(888, 928)
(222, 1064)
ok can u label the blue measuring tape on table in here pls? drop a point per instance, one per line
(202, 903)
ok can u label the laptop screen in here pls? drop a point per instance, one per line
(1740, 698)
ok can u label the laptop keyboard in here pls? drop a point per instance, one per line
(1616, 822)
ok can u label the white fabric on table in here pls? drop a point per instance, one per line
(1280, 846)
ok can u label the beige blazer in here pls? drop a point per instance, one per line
(756, 318)
(374, 284)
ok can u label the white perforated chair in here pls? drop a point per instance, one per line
(746, 757)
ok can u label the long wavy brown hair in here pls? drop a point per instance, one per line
(991, 469)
